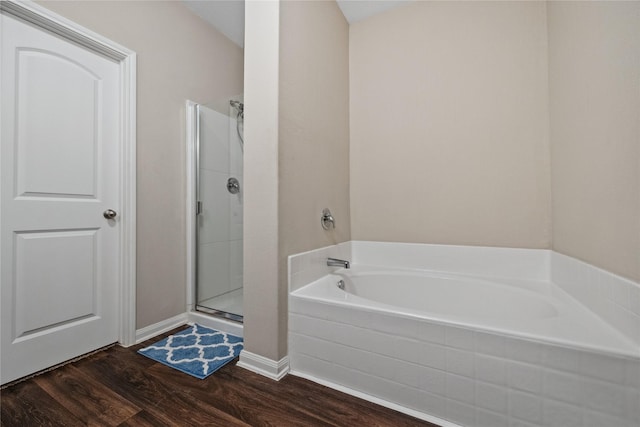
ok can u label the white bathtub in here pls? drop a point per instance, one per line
(514, 307)
(448, 295)
(480, 346)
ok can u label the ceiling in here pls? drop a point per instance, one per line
(357, 10)
(228, 15)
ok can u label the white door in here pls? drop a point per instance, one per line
(59, 162)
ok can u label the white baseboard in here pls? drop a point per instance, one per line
(377, 401)
(161, 327)
(223, 325)
(263, 366)
(156, 329)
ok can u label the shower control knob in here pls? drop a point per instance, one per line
(109, 214)
(233, 185)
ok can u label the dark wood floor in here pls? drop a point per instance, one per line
(118, 387)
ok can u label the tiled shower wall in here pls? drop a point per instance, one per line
(220, 223)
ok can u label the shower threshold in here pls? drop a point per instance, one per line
(228, 305)
(218, 313)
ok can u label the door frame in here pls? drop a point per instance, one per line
(192, 152)
(51, 22)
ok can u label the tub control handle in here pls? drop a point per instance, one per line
(233, 185)
(327, 220)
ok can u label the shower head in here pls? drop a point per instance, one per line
(237, 105)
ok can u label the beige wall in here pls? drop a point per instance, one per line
(594, 76)
(262, 313)
(179, 58)
(314, 124)
(313, 130)
(296, 152)
(449, 125)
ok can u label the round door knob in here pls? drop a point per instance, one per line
(110, 214)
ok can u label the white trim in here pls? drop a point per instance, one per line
(217, 323)
(377, 401)
(43, 18)
(192, 135)
(69, 30)
(163, 326)
(264, 366)
(128, 195)
(156, 329)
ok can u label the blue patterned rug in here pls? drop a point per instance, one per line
(197, 350)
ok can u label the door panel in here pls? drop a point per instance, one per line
(46, 131)
(59, 160)
(46, 294)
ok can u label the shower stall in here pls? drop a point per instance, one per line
(219, 191)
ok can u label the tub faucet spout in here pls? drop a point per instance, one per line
(335, 262)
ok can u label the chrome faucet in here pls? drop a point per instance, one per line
(335, 262)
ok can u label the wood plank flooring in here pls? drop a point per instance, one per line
(118, 387)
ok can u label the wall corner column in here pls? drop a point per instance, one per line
(261, 280)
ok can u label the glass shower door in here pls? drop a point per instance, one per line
(219, 219)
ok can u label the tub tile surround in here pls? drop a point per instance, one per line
(614, 299)
(451, 374)
(307, 267)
